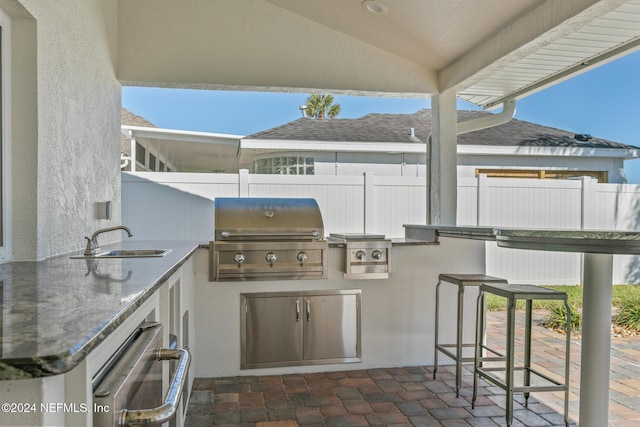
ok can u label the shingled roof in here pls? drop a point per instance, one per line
(396, 128)
(128, 118)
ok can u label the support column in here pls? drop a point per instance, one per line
(132, 156)
(444, 160)
(596, 340)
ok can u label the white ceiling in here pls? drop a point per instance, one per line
(430, 33)
(561, 37)
(481, 50)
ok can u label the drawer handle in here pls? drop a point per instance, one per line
(166, 411)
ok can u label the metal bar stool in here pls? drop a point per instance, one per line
(462, 281)
(513, 293)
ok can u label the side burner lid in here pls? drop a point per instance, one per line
(357, 236)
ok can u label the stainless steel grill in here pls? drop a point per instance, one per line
(267, 239)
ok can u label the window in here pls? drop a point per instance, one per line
(161, 167)
(152, 162)
(601, 176)
(284, 165)
(141, 154)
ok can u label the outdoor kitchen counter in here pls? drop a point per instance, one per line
(56, 311)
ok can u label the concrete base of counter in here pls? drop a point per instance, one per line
(397, 324)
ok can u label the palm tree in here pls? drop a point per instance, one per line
(321, 106)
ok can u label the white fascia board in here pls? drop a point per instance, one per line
(332, 146)
(490, 150)
(181, 135)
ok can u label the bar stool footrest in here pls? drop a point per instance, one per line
(553, 385)
(444, 349)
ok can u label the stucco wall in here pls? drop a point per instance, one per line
(71, 129)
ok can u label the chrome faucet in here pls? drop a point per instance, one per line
(92, 242)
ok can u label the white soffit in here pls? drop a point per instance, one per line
(603, 39)
(190, 151)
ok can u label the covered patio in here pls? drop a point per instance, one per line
(65, 62)
(487, 53)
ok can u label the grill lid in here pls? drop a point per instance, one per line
(252, 219)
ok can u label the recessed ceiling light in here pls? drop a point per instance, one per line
(375, 7)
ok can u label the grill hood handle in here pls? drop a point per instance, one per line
(228, 234)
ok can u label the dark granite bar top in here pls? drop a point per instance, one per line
(587, 241)
(432, 232)
(54, 312)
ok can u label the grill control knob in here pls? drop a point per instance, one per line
(376, 254)
(271, 258)
(239, 258)
(361, 255)
(302, 257)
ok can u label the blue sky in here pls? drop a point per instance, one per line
(604, 102)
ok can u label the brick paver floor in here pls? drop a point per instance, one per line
(410, 396)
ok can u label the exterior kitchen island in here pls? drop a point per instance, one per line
(64, 318)
(598, 247)
(396, 313)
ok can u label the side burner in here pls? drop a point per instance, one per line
(367, 256)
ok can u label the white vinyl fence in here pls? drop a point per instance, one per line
(354, 204)
(179, 206)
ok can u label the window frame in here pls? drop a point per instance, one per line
(601, 176)
(284, 165)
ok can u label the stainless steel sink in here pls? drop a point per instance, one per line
(128, 253)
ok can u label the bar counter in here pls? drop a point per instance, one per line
(598, 247)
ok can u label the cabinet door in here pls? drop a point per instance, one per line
(273, 330)
(330, 327)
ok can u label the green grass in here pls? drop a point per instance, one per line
(625, 297)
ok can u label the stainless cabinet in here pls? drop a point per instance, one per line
(300, 328)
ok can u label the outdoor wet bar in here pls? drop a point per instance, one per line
(598, 247)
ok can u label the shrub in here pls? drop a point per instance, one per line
(557, 318)
(629, 315)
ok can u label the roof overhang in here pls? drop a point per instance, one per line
(492, 150)
(190, 151)
(578, 41)
(252, 147)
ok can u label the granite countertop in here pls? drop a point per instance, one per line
(587, 241)
(54, 312)
(431, 233)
